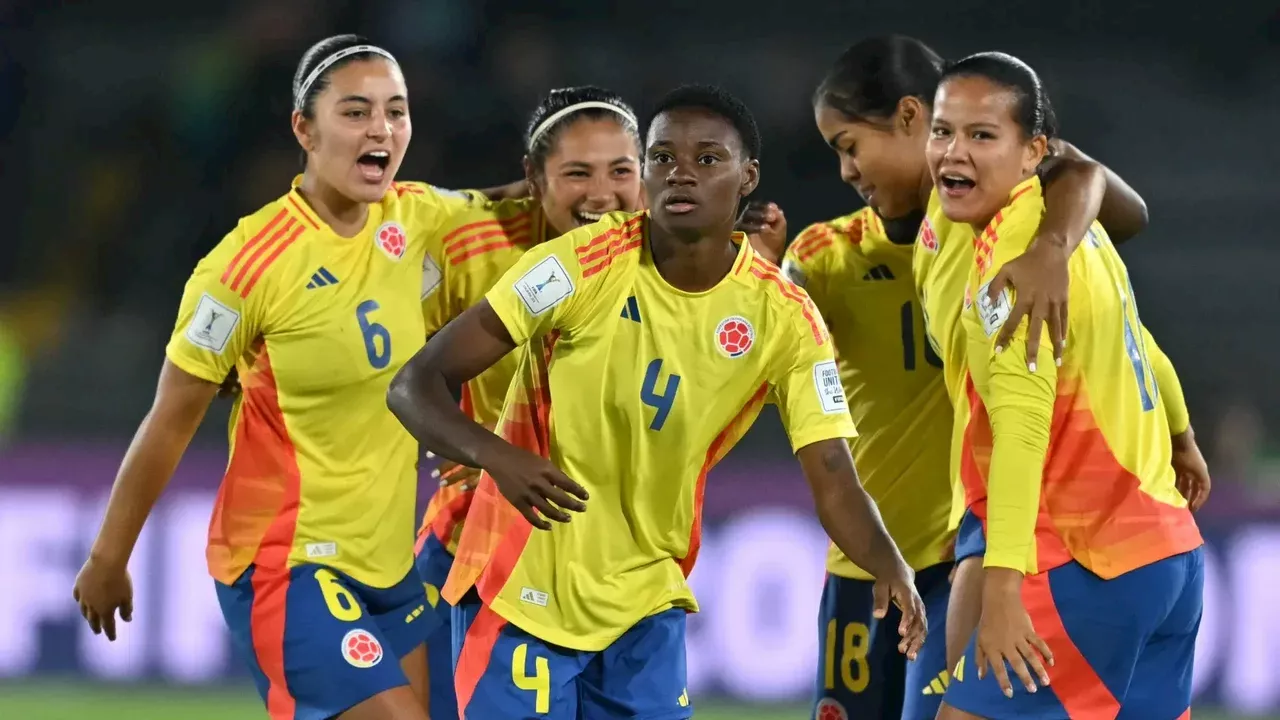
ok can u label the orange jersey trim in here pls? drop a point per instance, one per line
(276, 242)
(984, 243)
(402, 188)
(478, 232)
(604, 248)
(301, 211)
(765, 271)
(812, 241)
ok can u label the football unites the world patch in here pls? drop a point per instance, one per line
(391, 239)
(735, 336)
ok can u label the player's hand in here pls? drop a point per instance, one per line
(230, 387)
(1005, 634)
(451, 473)
(1041, 279)
(766, 228)
(102, 589)
(1191, 470)
(536, 487)
(900, 589)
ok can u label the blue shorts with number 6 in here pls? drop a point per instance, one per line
(861, 674)
(433, 563)
(317, 641)
(504, 672)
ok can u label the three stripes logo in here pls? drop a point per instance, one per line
(321, 278)
(938, 685)
(879, 272)
(631, 309)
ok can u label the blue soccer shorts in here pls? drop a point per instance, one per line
(434, 562)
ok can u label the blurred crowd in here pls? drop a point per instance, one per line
(133, 134)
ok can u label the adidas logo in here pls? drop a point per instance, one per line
(879, 272)
(631, 309)
(684, 698)
(938, 685)
(321, 278)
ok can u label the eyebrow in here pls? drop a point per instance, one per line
(835, 140)
(367, 101)
(581, 164)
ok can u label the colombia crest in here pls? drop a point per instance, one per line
(735, 336)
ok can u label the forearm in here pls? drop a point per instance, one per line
(1021, 416)
(1073, 195)
(423, 401)
(1122, 212)
(847, 512)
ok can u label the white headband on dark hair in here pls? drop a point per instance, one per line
(588, 105)
(301, 94)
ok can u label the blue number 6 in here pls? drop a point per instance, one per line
(372, 331)
(649, 394)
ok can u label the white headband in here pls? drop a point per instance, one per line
(325, 64)
(588, 105)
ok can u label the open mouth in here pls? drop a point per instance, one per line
(373, 165)
(955, 184)
(585, 217)
(679, 203)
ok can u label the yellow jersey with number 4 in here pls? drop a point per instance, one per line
(861, 282)
(316, 325)
(940, 266)
(1070, 463)
(635, 389)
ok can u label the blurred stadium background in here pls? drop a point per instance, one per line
(133, 134)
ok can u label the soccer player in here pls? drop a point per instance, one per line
(315, 300)
(648, 343)
(582, 161)
(1093, 561)
(872, 109)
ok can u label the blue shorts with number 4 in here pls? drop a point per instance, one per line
(434, 563)
(1122, 648)
(504, 672)
(861, 674)
(318, 642)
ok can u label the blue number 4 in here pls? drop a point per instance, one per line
(379, 352)
(660, 402)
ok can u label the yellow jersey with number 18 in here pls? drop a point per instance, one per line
(861, 282)
(316, 325)
(940, 265)
(635, 389)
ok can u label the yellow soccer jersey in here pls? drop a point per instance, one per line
(636, 390)
(861, 282)
(940, 266)
(476, 249)
(317, 325)
(1072, 462)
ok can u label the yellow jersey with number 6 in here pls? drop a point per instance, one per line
(316, 325)
(861, 282)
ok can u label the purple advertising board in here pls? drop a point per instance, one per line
(759, 578)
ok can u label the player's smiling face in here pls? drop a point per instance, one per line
(884, 160)
(977, 151)
(696, 171)
(361, 129)
(594, 168)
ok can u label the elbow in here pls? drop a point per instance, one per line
(399, 393)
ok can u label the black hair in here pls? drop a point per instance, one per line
(537, 148)
(316, 55)
(1033, 113)
(716, 100)
(869, 79)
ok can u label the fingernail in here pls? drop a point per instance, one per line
(1057, 362)
(1031, 366)
(999, 349)
(1008, 693)
(430, 454)
(1031, 688)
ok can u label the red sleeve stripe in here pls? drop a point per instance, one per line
(482, 235)
(813, 249)
(297, 206)
(984, 244)
(463, 234)
(790, 292)
(811, 237)
(280, 248)
(503, 242)
(402, 188)
(608, 246)
(231, 267)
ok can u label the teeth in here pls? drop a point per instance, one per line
(380, 154)
(589, 215)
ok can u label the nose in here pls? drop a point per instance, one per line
(849, 172)
(957, 148)
(379, 126)
(681, 174)
(600, 193)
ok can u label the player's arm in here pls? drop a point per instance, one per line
(215, 326)
(1077, 191)
(511, 191)
(422, 394)
(766, 228)
(1193, 480)
(814, 412)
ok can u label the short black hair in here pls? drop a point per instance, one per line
(716, 100)
(1033, 113)
(317, 54)
(537, 148)
(869, 78)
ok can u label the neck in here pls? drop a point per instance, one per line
(344, 215)
(926, 188)
(694, 262)
(903, 230)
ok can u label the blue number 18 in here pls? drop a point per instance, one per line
(649, 394)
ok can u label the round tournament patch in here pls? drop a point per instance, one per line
(829, 709)
(734, 336)
(390, 238)
(361, 649)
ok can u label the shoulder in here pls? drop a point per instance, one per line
(786, 301)
(256, 247)
(613, 242)
(1011, 230)
(830, 237)
(487, 225)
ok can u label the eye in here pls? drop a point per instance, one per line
(580, 174)
(397, 113)
(708, 159)
(661, 157)
(622, 172)
(941, 132)
(354, 114)
(983, 135)
(852, 150)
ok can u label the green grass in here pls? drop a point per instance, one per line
(72, 701)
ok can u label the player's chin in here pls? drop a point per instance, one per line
(368, 191)
(971, 208)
